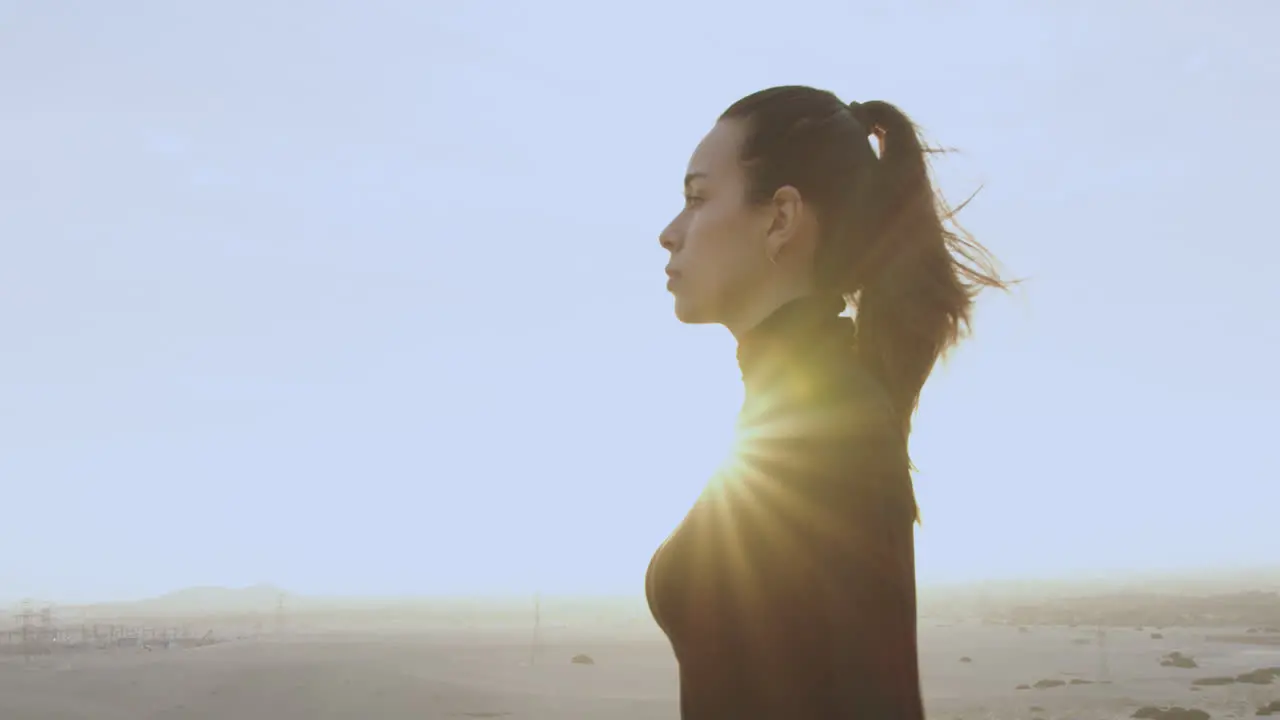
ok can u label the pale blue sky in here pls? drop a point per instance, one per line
(367, 297)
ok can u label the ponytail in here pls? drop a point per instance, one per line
(919, 271)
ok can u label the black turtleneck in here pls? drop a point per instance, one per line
(788, 591)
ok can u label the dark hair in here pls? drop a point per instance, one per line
(890, 243)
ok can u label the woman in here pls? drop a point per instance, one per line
(788, 592)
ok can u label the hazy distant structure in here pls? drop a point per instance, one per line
(48, 630)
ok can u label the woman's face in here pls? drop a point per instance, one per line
(718, 241)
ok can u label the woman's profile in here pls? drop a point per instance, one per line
(788, 591)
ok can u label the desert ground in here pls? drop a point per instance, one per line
(462, 673)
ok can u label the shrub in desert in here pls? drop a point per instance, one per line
(1213, 681)
(1151, 712)
(1261, 676)
(1178, 660)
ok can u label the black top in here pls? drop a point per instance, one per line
(788, 591)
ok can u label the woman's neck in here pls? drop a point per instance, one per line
(763, 304)
(795, 330)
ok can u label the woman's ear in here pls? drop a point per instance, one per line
(786, 213)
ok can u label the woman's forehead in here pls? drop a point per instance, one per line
(717, 154)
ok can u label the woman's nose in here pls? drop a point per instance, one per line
(667, 239)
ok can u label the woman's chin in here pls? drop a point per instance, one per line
(689, 313)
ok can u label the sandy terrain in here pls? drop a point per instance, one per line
(489, 676)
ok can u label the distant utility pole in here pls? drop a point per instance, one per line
(1104, 668)
(537, 628)
(26, 620)
(280, 618)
